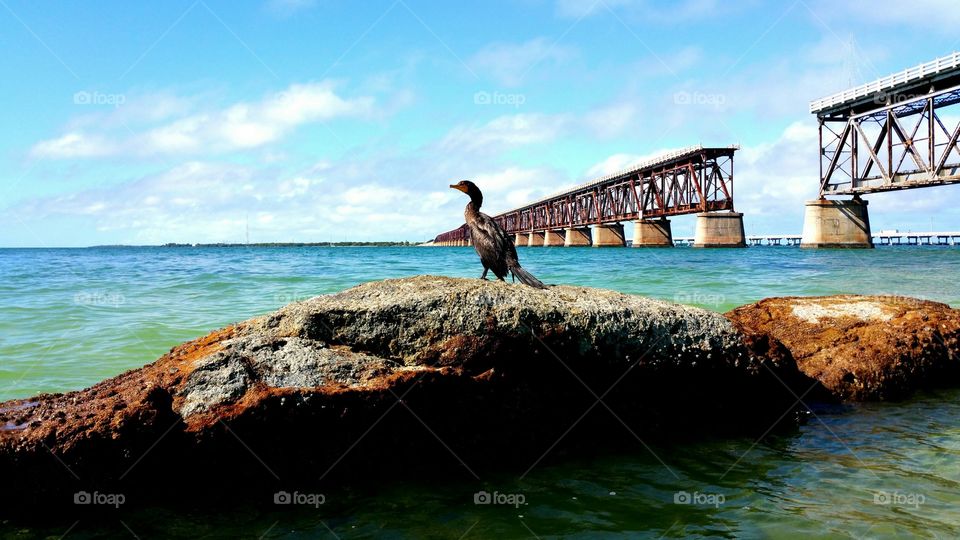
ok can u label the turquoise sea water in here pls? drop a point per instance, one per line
(72, 317)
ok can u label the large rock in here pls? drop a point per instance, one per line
(394, 376)
(861, 347)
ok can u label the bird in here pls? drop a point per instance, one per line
(492, 243)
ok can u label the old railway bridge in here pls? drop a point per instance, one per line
(693, 180)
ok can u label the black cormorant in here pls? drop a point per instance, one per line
(492, 243)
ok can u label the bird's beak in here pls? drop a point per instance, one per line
(458, 187)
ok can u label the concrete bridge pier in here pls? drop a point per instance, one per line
(577, 237)
(836, 224)
(520, 240)
(719, 229)
(608, 235)
(535, 239)
(552, 238)
(652, 233)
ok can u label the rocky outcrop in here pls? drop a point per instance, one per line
(860, 347)
(442, 375)
(398, 376)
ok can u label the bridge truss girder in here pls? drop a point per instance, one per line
(910, 143)
(703, 183)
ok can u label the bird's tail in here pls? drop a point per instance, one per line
(526, 277)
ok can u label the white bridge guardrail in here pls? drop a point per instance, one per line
(945, 63)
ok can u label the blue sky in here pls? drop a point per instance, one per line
(333, 120)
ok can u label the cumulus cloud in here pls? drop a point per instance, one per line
(773, 181)
(378, 197)
(240, 126)
(207, 201)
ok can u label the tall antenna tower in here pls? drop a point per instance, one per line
(852, 62)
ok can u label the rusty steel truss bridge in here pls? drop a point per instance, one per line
(898, 132)
(692, 180)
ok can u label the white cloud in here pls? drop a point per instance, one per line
(505, 179)
(510, 63)
(612, 164)
(241, 126)
(514, 186)
(612, 120)
(74, 145)
(295, 187)
(774, 180)
(509, 132)
(505, 132)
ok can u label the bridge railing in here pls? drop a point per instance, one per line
(933, 67)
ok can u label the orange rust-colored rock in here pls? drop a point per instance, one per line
(107, 410)
(861, 347)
